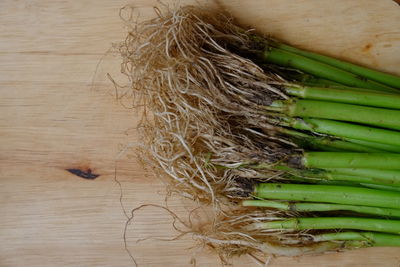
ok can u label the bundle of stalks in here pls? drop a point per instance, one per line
(309, 143)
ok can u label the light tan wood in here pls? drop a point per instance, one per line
(52, 119)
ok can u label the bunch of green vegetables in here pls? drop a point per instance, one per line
(346, 118)
(310, 145)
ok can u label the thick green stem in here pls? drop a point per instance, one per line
(306, 79)
(359, 179)
(373, 239)
(381, 187)
(326, 143)
(319, 69)
(344, 87)
(386, 118)
(364, 179)
(354, 175)
(379, 176)
(323, 181)
(314, 207)
(385, 78)
(318, 81)
(330, 194)
(321, 160)
(346, 130)
(320, 181)
(366, 224)
(375, 145)
(346, 96)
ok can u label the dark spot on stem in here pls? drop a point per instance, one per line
(292, 207)
(361, 78)
(84, 174)
(295, 162)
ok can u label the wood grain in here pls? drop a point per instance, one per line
(53, 118)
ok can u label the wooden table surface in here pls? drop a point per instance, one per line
(58, 113)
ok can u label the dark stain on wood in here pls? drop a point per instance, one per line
(367, 47)
(86, 174)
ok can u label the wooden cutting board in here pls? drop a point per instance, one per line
(57, 113)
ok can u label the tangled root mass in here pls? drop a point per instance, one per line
(203, 122)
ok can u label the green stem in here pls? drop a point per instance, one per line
(366, 224)
(346, 130)
(377, 175)
(323, 160)
(304, 78)
(330, 194)
(320, 181)
(375, 145)
(344, 87)
(346, 96)
(319, 81)
(385, 78)
(381, 187)
(319, 69)
(318, 207)
(355, 175)
(373, 239)
(380, 117)
(323, 83)
(323, 181)
(365, 179)
(326, 143)
(358, 179)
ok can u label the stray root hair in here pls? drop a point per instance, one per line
(203, 122)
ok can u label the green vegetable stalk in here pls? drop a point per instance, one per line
(319, 207)
(347, 195)
(385, 118)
